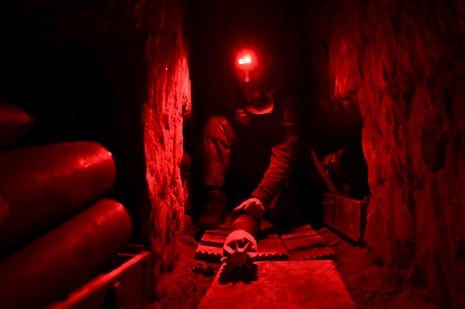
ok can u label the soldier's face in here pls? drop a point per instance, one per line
(250, 90)
(250, 75)
(250, 82)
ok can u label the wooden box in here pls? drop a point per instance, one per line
(345, 215)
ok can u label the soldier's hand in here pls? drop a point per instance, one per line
(252, 206)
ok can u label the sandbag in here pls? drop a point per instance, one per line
(57, 263)
(15, 123)
(44, 184)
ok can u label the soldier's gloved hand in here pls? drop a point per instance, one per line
(252, 206)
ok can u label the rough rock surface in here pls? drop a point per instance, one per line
(401, 64)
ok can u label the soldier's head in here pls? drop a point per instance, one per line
(252, 68)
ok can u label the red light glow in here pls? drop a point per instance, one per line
(247, 59)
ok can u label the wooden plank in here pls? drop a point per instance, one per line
(299, 234)
(322, 253)
(208, 253)
(271, 248)
(280, 284)
(210, 247)
(212, 239)
(345, 215)
(304, 243)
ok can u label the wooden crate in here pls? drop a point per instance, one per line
(304, 243)
(345, 215)
(125, 285)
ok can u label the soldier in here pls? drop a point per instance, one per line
(246, 157)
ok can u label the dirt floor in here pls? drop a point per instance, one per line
(188, 283)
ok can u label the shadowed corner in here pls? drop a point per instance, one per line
(233, 274)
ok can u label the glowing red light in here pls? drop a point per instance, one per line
(247, 59)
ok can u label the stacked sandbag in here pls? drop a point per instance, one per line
(57, 225)
(15, 123)
(64, 258)
(42, 185)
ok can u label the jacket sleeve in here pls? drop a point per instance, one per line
(283, 157)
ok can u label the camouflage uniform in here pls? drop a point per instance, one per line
(253, 158)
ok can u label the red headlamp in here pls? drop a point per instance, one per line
(246, 59)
